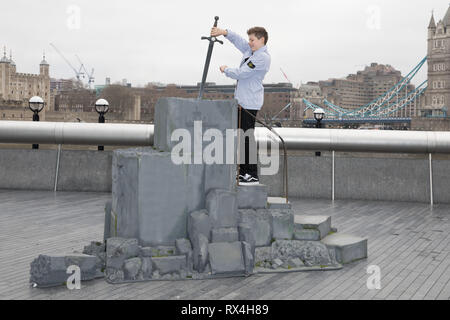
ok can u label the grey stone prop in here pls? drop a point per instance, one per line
(222, 208)
(260, 223)
(171, 264)
(118, 250)
(51, 270)
(151, 195)
(184, 247)
(348, 248)
(181, 113)
(198, 223)
(252, 196)
(278, 203)
(249, 259)
(312, 253)
(320, 223)
(225, 235)
(263, 255)
(200, 252)
(107, 227)
(97, 249)
(307, 234)
(282, 223)
(226, 258)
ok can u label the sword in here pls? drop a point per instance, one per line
(208, 59)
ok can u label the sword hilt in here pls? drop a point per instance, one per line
(214, 39)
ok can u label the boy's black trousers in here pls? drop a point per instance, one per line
(246, 122)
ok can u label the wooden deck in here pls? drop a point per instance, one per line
(410, 242)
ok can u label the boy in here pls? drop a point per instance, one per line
(249, 89)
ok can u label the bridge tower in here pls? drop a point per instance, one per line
(437, 97)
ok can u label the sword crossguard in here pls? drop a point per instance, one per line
(213, 39)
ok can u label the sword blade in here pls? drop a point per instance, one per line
(205, 69)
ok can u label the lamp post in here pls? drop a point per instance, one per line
(36, 104)
(319, 114)
(102, 107)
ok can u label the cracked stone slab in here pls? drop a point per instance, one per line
(51, 270)
(278, 203)
(348, 248)
(260, 224)
(222, 208)
(282, 223)
(321, 223)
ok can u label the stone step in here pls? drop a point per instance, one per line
(252, 196)
(348, 248)
(305, 226)
(278, 203)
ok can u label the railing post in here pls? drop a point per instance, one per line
(332, 174)
(431, 178)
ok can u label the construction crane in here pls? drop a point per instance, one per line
(78, 73)
(90, 75)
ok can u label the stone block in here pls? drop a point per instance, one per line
(278, 203)
(321, 223)
(151, 195)
(222, 208)
(200, 252)
(171, 264)
(199, 222)
(246, 234)
(220, 176)
(249, 260)
(97, 249)
(307, 234)
(226, 258)
(51, 270)
(252, 196)
(118, 250)
(181, 113)
(282, 223)
(260, 222)
(347, 248)
(107, 227)
(131, 268)
(224, 235)
(184, 247)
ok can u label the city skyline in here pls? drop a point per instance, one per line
(148, 42)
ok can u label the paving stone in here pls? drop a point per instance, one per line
(321, 223)
(51, 270)
(252, 197)
(224, 235)
(226, 258)
(282, 223)
(169, 264)
(222, 208)
(348, 248)
(278, 203)
(166, 250)
(199, 222)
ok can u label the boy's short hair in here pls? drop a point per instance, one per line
(259, 32)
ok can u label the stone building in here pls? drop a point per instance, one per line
(17, 88)
(437, 96)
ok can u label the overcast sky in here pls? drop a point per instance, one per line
(145, 41)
